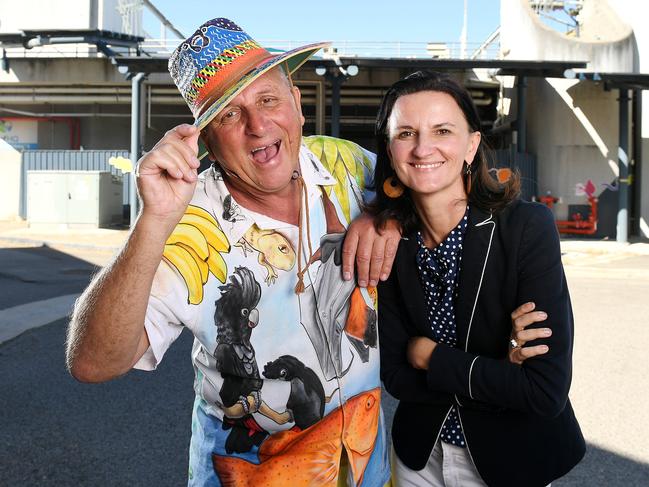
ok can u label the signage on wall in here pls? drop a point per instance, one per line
(20, 134)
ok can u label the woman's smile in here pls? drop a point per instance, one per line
(426, 166)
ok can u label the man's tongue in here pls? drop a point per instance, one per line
(264, 155)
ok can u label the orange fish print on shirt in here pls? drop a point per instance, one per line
(361, 327)
(312, 456)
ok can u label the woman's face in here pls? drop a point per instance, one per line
(428, 141)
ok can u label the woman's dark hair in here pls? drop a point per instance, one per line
(486, 193)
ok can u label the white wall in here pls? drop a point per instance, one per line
(44, 14)
(10, 163)
(109, 18)
(608, 46)
(62, 14)
(574, 137)
(65, 15)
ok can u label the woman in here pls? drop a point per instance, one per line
(470, 413)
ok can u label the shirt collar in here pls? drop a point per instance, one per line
(236, 220)
(458, 232)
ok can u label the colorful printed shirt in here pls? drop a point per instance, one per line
(285, 382)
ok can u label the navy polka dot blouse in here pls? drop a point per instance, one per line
(439, 269)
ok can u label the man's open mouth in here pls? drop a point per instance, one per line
(265, 153)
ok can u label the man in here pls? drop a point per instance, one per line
(248, 256)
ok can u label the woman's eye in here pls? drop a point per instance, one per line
(405, 134)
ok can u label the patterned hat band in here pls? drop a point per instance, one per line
(225, 70)
(219, 61)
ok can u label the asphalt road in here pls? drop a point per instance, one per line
(30, 274)
(55, 431)
(135, 430)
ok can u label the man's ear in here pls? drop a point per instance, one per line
(297, 97)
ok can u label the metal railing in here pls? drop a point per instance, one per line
(363, 49)
(63, 51)
(366, 49)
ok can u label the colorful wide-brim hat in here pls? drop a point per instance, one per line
(219, 60)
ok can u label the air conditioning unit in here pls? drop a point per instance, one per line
(74, 198)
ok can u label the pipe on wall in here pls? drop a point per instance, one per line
(136, 139)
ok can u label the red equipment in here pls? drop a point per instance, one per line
(577, 224)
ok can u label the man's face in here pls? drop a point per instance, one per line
(258, 135)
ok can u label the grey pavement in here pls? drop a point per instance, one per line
(20, 318)
(135, 430)
(38, 285)
(103, 239)
(54, 431)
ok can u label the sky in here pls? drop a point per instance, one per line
(338, 20)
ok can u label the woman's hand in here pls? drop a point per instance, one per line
(522, 317)
(419, 351)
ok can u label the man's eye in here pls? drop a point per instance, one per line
(443, 131)
(268, 101)
(230, 116)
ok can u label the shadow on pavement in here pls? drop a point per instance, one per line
(601, 467)
(35, 273)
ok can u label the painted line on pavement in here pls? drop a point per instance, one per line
(16, 320)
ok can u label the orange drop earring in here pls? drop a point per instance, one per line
(392, 187)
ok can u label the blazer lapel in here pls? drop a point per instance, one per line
(410, 285)
(475, 248)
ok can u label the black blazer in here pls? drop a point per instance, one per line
(517, 420)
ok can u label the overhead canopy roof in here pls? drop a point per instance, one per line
(100, 38)
(629, 81)
(546, 69)
(33, 38)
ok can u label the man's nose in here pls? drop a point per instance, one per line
(256, 122)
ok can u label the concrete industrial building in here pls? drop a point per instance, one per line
(66, 84)
(573, 122)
